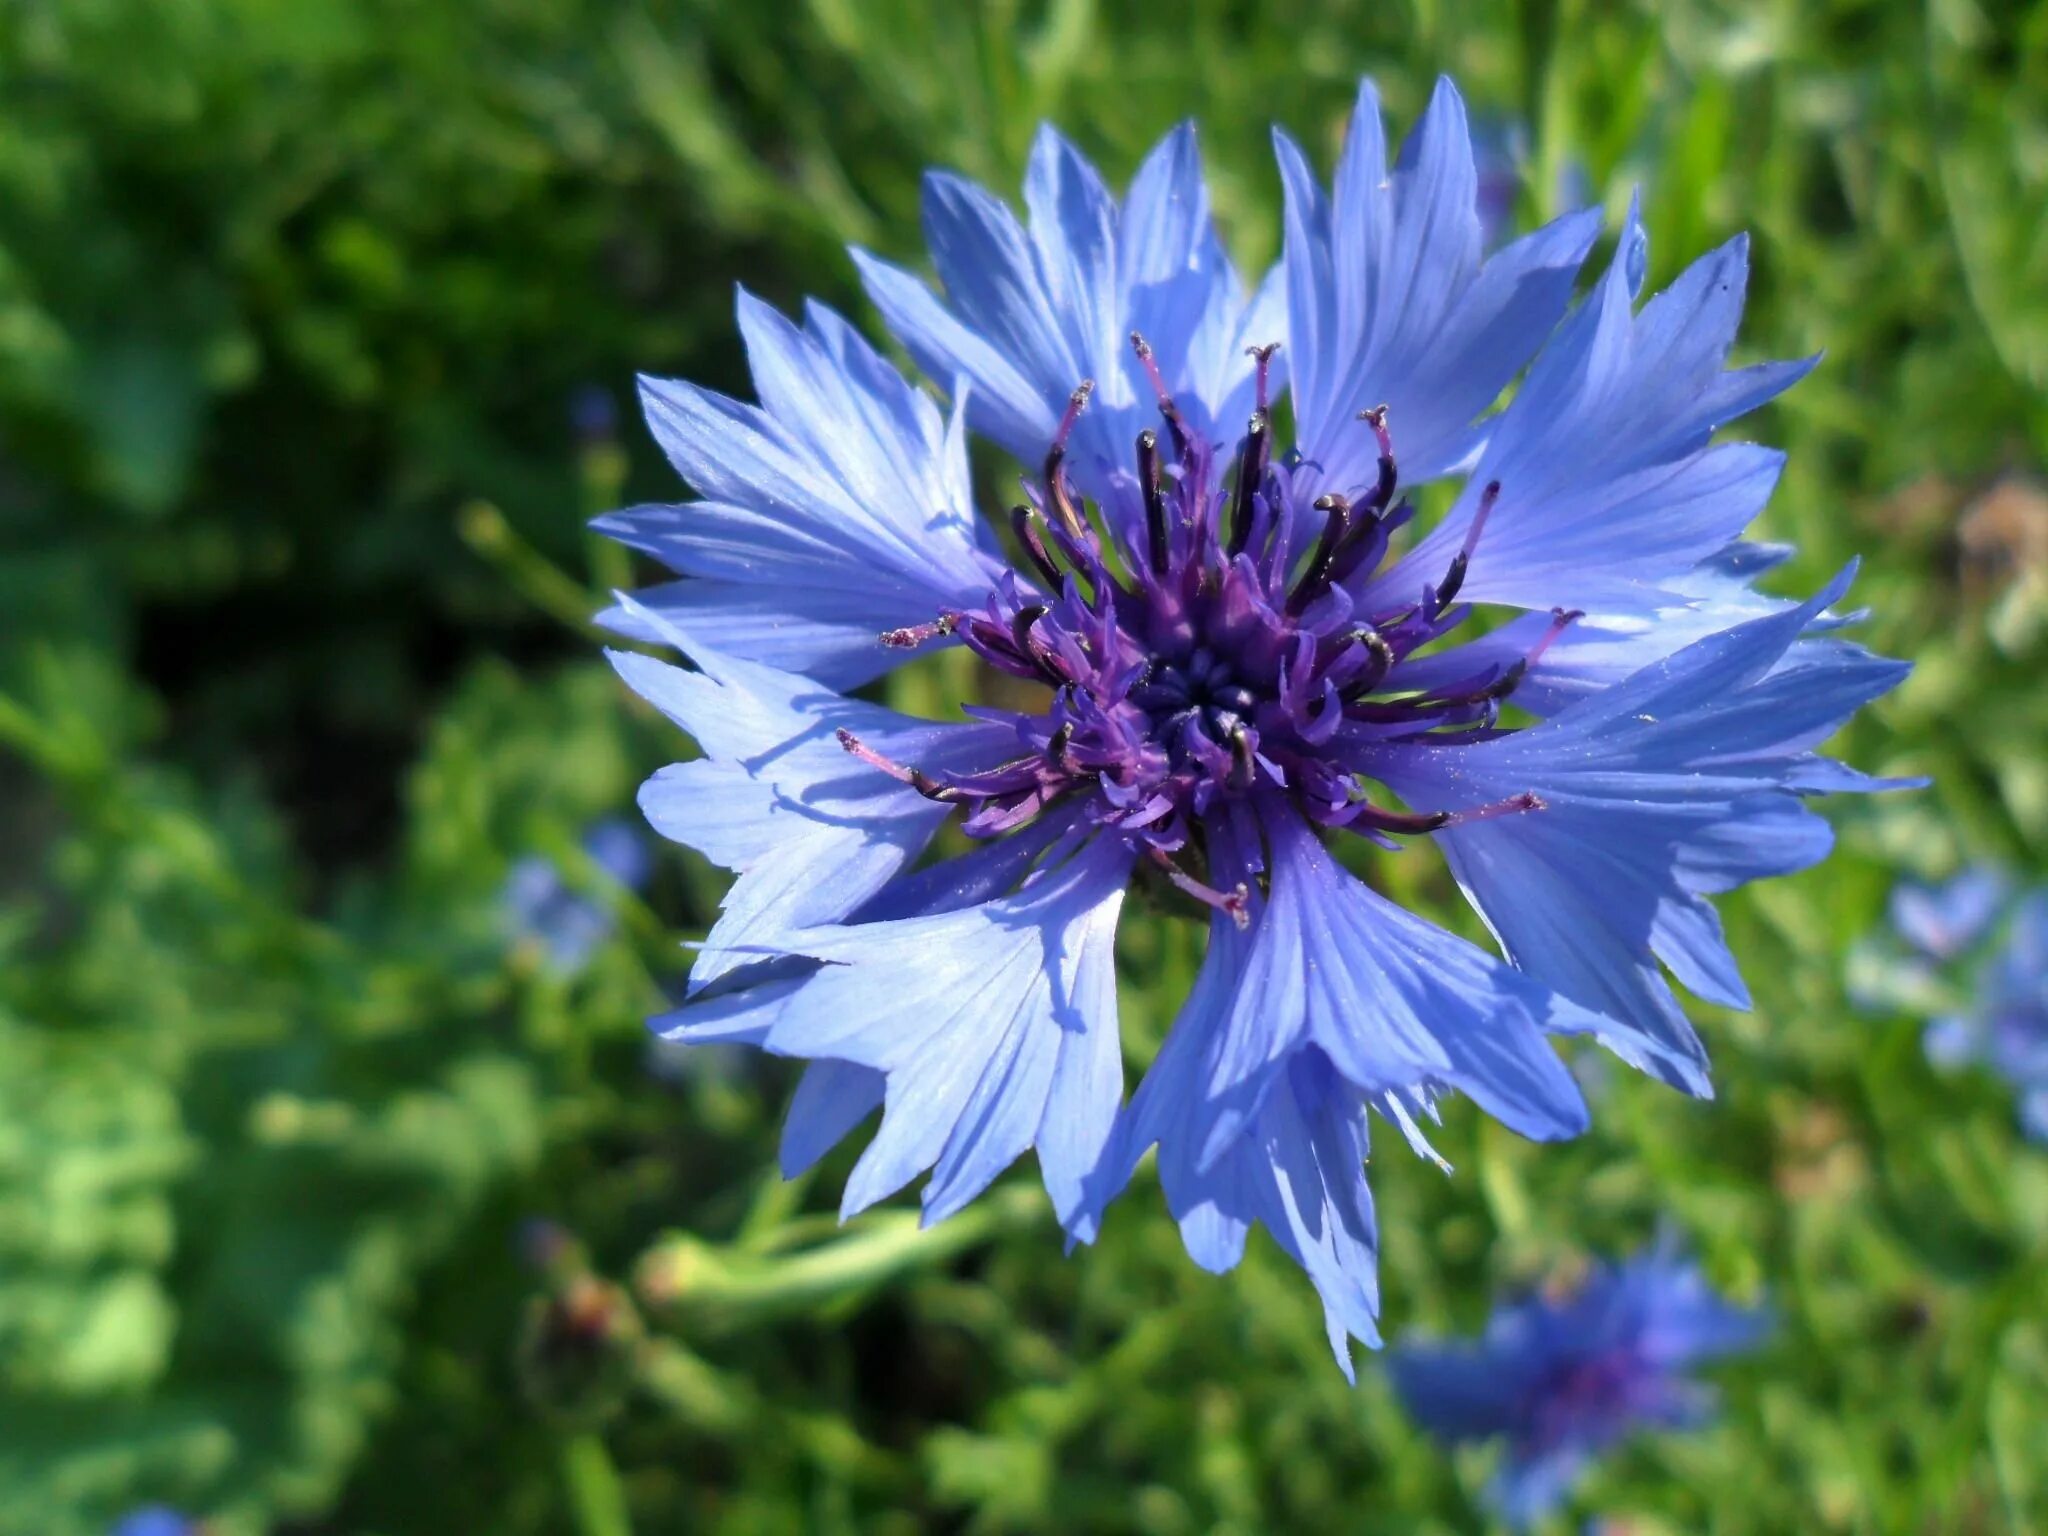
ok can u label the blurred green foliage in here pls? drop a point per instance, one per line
(299, 307)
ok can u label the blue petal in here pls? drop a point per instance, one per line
(990, 271)
(1601, 648)
(1186, 299)
(985, 872)
(1395, 1003)
(1608, 489)
(1026, 317)
(1531, 1484)
(1298, 1170)
(1307, 1156)
(1944, 921)
(831, 1099)
(1074, 232)
(995, 1027)
(1309, 978)
(811, 832)
(1005, 403)
(840, 504)
(1670, 785)
(1952, 1041)
(828, 633)
(2034, 1115)
(1459, 1393)
(1389, 302)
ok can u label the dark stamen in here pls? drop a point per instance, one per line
(1056, 493)
(1076, 403)
(1056, 747)
(1167, 408)
(1243, 767)
(1379, 660)
(1561, 619)
(1315, 576)
(1505, 684)
(1155, 503)
(1026, 522)
(1383, 492)
(1263, 356)
(1454, 578)
(1020, 628)
(1416, 822)
(1251, 469)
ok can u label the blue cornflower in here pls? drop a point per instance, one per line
(541, 906)
(1943, 922)
(1500, 150)
(2005, 1022)
(155, 1520)
(1219, 671)
(1913, 963)
(1562, 1379)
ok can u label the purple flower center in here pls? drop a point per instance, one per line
(1587, 1397)
(1218, 649)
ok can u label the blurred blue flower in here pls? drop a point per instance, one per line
(2005, 1025)
(1944, 921)
(1232, 658)
(593, 414)
(1501, 157)
(155, 1520)
(1500, 148)
(1562, 1379)
(542, 907)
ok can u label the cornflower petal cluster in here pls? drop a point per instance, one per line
(541, 907)
(1213, 661)
(1973, 953)
(1562, 1378)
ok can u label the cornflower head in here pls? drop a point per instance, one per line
(1223, 658)
(541, 906)
(1562, 1378)
(1989, 956)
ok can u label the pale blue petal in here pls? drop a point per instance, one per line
(1006, 404)
(991, 276)
(1531, 1484)
(1607, 481)
(1670, 785)
(1945, 920)
(1395, 1004)
(830, 633)
(835, 509)
(1074, 232)
(2034, 1115)
(810, 831)
(831, 1099)
(1390, 303)
(1298, 1170)
(995, 1027)
(1952, 1041)
(1026, 316)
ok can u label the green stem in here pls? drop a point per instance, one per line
(683, 1276)
(597, 1499)
(525, 569)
